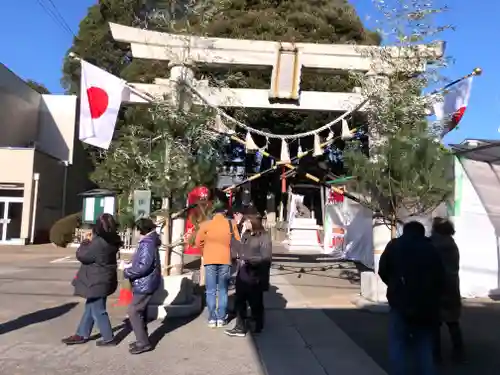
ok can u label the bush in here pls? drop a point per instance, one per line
(61, 233)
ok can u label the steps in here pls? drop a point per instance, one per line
(304, 237)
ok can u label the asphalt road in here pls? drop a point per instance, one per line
(37, 309)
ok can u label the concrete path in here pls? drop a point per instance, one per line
(301, 339)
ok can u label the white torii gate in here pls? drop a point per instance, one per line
(287, 60)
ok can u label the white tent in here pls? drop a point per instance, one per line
(475, 210)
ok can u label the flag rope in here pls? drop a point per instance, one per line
(150, 98)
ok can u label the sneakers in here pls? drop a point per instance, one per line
(212, 324)
(221, 323)
(235, 332)
(74, 340)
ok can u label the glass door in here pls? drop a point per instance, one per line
(10, 219)
(14, 214)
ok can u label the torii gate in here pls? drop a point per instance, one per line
(287, 60)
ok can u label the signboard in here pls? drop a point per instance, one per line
(142, 203)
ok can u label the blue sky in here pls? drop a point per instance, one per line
(33, 46)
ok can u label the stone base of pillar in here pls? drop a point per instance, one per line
(175, 298)
(373, 293)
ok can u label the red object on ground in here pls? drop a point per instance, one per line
(125, 297)
(199, 193)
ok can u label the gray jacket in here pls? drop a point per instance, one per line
(255, 254)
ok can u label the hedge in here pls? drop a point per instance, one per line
(63, 230)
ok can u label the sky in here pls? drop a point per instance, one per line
(33, 46)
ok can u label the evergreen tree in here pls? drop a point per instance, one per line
(38, 87)
(406, 171)
(137, 156)
(323, 21)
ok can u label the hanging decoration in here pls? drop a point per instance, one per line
(346, 133)
(285, 153)
(330, 136)
(250, 145)
(299, 150)
(318, 150)
(220, 127)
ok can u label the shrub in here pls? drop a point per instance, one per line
(61, 233)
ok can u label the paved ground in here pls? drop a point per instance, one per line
(332, 288)
(312, 328)
(37, 309)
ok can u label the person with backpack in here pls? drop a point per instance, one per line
(412, 269)
(215, 238)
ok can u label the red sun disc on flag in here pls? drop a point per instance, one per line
(457, 116)
(98, 101)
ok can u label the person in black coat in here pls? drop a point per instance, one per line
(414, 274)
(451, 299)
(254, 255)
(96, 280)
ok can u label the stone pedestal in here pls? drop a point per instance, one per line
(175, 298)
(373, 290)
(176, 253)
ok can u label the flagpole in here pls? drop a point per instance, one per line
(144, 95)
(475, 72)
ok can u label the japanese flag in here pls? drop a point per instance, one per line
(100, 99)
(451, 110)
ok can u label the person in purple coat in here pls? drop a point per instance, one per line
(144, 274)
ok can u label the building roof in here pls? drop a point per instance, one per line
(97, 192)
(485, 150)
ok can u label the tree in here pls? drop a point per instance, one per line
(38, 87)
(319, 21)
(117, 169)
(405, 173)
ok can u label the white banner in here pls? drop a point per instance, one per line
(348, 232)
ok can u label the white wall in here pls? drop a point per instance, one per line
(57, 126)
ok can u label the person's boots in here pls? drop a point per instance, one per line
(239, 329)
